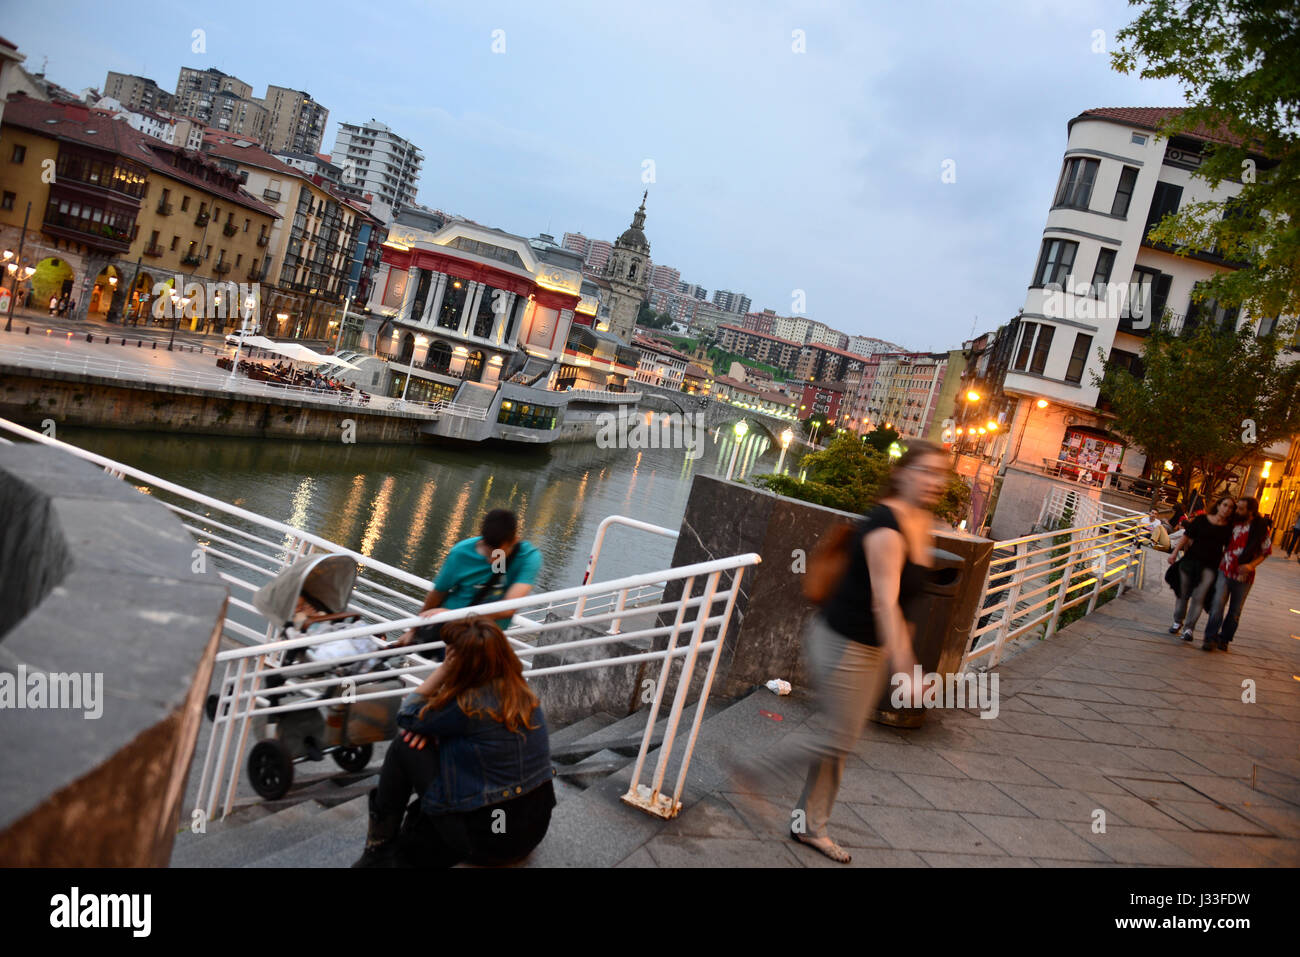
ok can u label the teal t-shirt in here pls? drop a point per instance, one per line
(466, 571)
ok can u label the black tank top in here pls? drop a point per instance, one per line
(849, 610)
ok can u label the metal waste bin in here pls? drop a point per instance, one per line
(938, 641)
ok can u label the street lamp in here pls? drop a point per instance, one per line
(419, 341)
(786, 438)
(741, 428)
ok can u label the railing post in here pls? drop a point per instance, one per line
(1065, 587)
(1013, 596)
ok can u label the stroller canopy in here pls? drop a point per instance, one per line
(328, 579)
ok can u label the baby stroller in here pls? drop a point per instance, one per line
(310, 597)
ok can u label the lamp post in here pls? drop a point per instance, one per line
(419, 341)
(742, 427)
(249, 305)
(22, 240)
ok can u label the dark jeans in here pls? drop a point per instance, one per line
(1196, 581)
(489, 836)
(1232, 594)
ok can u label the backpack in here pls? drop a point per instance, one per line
(829, 562)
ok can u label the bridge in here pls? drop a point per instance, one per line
(717, 414)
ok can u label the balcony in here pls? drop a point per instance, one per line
(153, 250)
(263, 240)
(222, 268)
(100, 234)
(271, 195)
(164, 209)
(201, 219)
(229, 229)
(189, 259)
(254, 275)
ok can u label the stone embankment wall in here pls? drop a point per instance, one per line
(29, 397)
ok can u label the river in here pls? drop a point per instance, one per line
(408, 505)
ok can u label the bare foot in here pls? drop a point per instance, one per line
(826, 846)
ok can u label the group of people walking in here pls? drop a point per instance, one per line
(1215, 564)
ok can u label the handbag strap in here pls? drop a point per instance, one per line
(494, 582)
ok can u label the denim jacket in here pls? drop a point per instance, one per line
(479, 761)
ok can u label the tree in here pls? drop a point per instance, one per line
(881, 438)
(851, 475)
(644, 314)
(1208, 400)
(1239, 63)
(816, 421)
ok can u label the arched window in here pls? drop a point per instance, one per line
(439, 357)
(473, 367)
(408, 348)
(486, 316)
(631, 272)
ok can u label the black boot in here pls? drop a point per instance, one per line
(381, 837)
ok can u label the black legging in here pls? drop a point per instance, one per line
(489, 836)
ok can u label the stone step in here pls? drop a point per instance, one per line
(593, 768)
(225, 846)
(580, 729)
(337, 839)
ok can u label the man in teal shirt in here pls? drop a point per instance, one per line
(495, 566)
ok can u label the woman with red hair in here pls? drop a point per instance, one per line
(474, 749)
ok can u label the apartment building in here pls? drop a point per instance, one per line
(1097, 289)
(376, 160)
(295, 123)
(137, 93)
(736, 303)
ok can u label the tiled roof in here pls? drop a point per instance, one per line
(77, 123)
(1150, 118)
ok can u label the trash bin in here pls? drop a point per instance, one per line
(939, 640)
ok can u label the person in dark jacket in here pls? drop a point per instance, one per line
(1206, 538)
(1248, 546)
(474, 749)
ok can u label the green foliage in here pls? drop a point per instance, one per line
(851, 475)
(722, 361)
(1239, 64)
(881, 438)
(1197, 396)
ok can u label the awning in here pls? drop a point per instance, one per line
(294, 351)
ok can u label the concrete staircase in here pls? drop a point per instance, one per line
(322, 822)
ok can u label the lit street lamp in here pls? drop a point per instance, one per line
(786, 438)
(742, 427)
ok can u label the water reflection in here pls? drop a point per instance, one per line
(408, 506)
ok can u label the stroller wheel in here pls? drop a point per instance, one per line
(270, 769)
(353, 759)
(210, 706)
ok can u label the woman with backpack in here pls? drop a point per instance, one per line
(861, 635)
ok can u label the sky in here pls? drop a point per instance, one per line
(787, 147)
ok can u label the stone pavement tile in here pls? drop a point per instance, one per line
(1133, 811)
(895, 757)
(918, 830)
(1176, 739)
(717, 852)
(592, 831)
(1267, 749)
(1126, 714)
(1138, 698)
(1218, 850)
(639, 858)
(1236, 793)
(711, 817)
(1075, 691)
(940, 736)
(1051, 803)
(1160, 759)
(1046, 862)
(956, 794)
(1284, 852)
(1135, 845)
(1105, 732)
(1064, 707)
(1224, 765)
(1036, 838)
(1089, 754)
(1066, 774)
(1202, 815)
(994, 767)
(1041, 725)
(771, 820)
(939, 859)
(1282, 821)
(865, 785)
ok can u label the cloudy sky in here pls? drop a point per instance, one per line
(773, 170)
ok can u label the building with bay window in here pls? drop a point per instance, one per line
(1098, 287)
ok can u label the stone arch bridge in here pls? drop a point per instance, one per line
(716, 413)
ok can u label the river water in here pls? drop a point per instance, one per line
(408, 505)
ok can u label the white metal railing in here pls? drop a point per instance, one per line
(603, 395)
(647, 593)
(246, 550)
(221, 382)
(1032, 580)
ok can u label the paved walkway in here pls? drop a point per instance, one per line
(1111, 714)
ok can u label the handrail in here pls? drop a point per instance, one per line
(1103, 555)
(262, 681)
